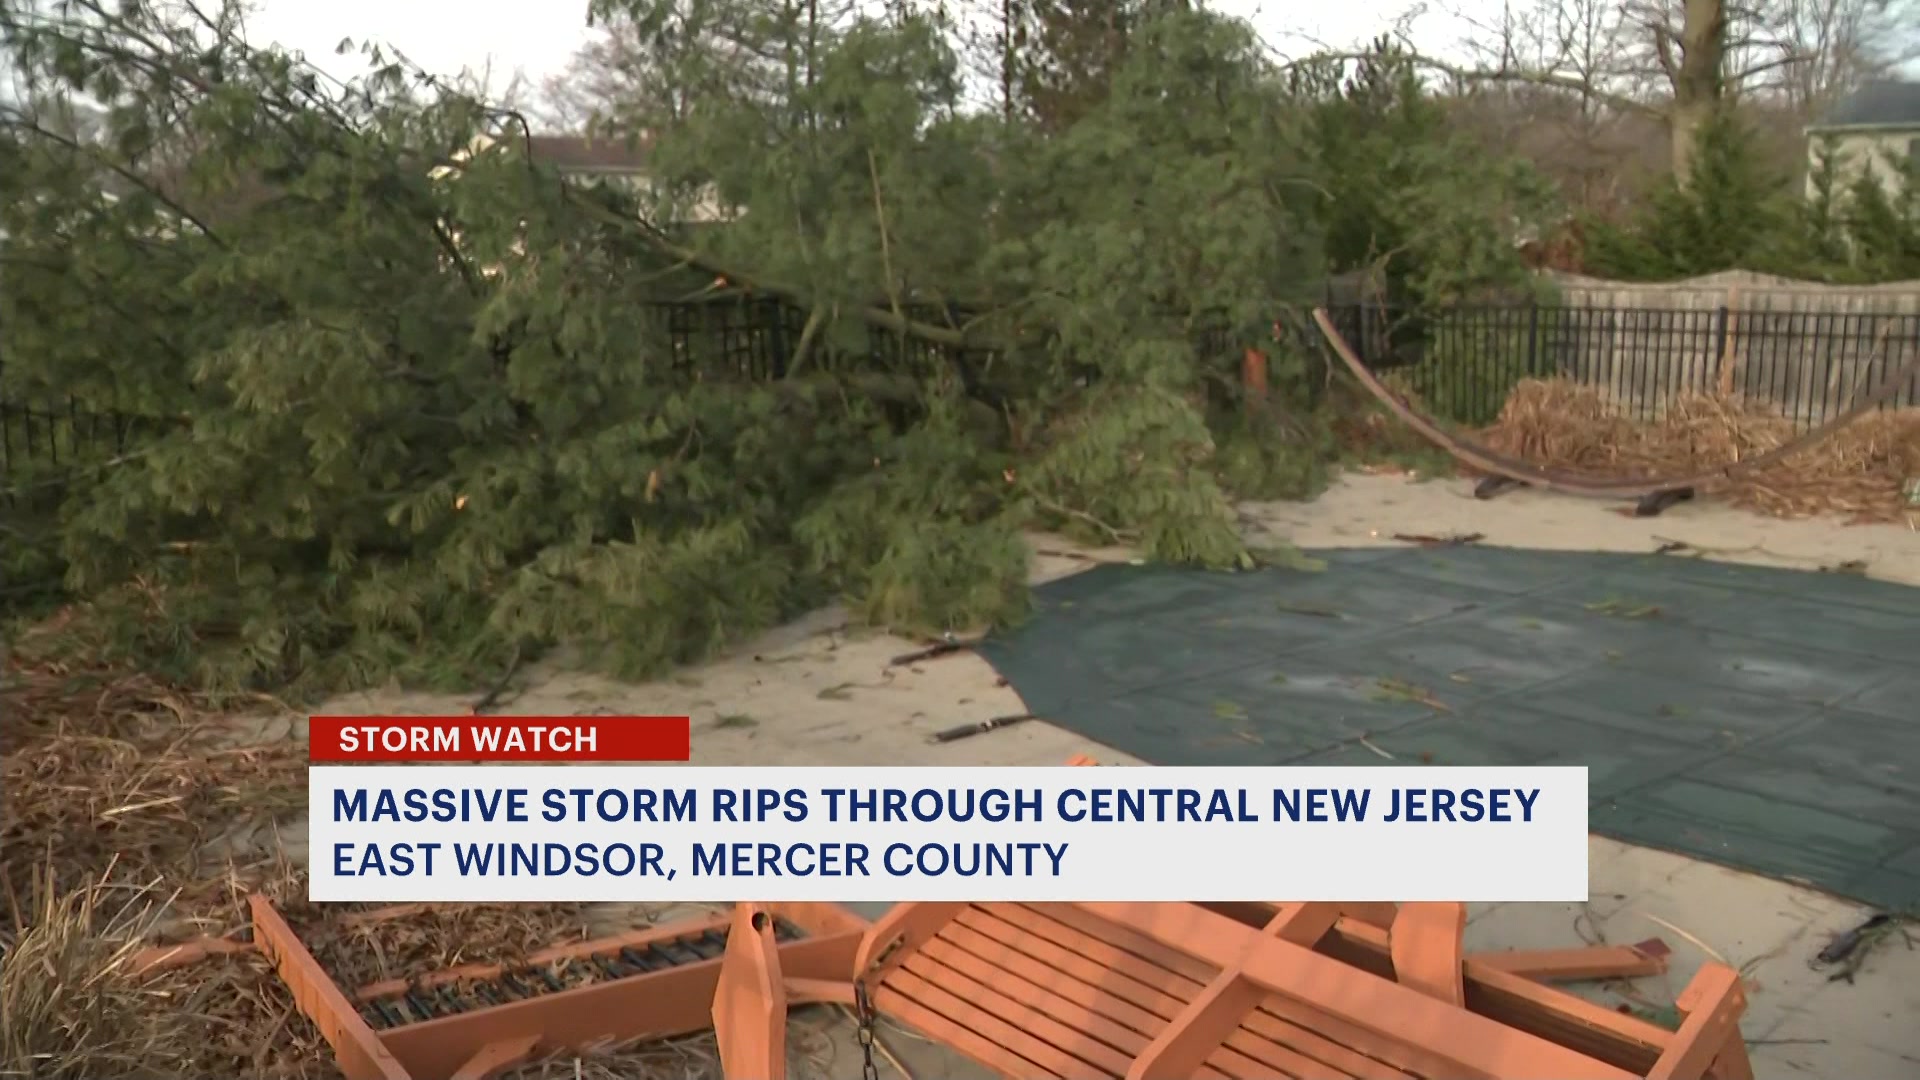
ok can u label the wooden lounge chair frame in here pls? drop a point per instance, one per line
(1312, 991)
(480, 1043)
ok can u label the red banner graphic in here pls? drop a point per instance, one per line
(365, 739)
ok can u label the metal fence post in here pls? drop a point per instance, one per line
(780, 353)
(1533, 338)
(1721, 316)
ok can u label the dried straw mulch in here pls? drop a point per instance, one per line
(357, 951)
(70, 1008)
(133, 813)
(1857, 473)
(117, 790)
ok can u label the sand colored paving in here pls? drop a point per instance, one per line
(815, 694)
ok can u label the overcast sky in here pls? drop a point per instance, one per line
(537, 36)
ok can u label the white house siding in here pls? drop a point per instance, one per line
(1882, 151)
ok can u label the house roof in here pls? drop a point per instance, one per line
(1875, 105)
(578, 153)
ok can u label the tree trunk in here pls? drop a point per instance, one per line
(1009, 35)
(1698, 79)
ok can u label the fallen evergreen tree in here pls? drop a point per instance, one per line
(406, 408)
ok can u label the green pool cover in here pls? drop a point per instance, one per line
(1759, 718)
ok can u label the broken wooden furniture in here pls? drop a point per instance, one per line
(1313, 991)
(751, 999)
(478, 1020)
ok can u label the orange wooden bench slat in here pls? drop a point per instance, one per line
(989, 1048)
(1089, 1007)
(1222, 1007)
(1284, 1022)
(1148, 985)
(1055, 994)
(1101, 960)
(1322, 1044)
(1169, 991)
(1121, 993)
(1055, 998)
(1475, 1047)
(1428, 952)
(987, 1026)
(1132, 1006)
(992, 999)
(1125, 940)
(1573, 965)
(1141, 984)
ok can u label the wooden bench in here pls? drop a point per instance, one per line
(1310, 991)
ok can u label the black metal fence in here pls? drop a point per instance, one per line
(57, 435)
(1808, 366)
(1461, 362)
(749, 339)
(759, 338)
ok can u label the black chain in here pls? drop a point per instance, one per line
(863, 1013)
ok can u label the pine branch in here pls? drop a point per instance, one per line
(900, 324)
(21, 121)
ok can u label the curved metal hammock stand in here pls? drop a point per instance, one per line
(1652, 495)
